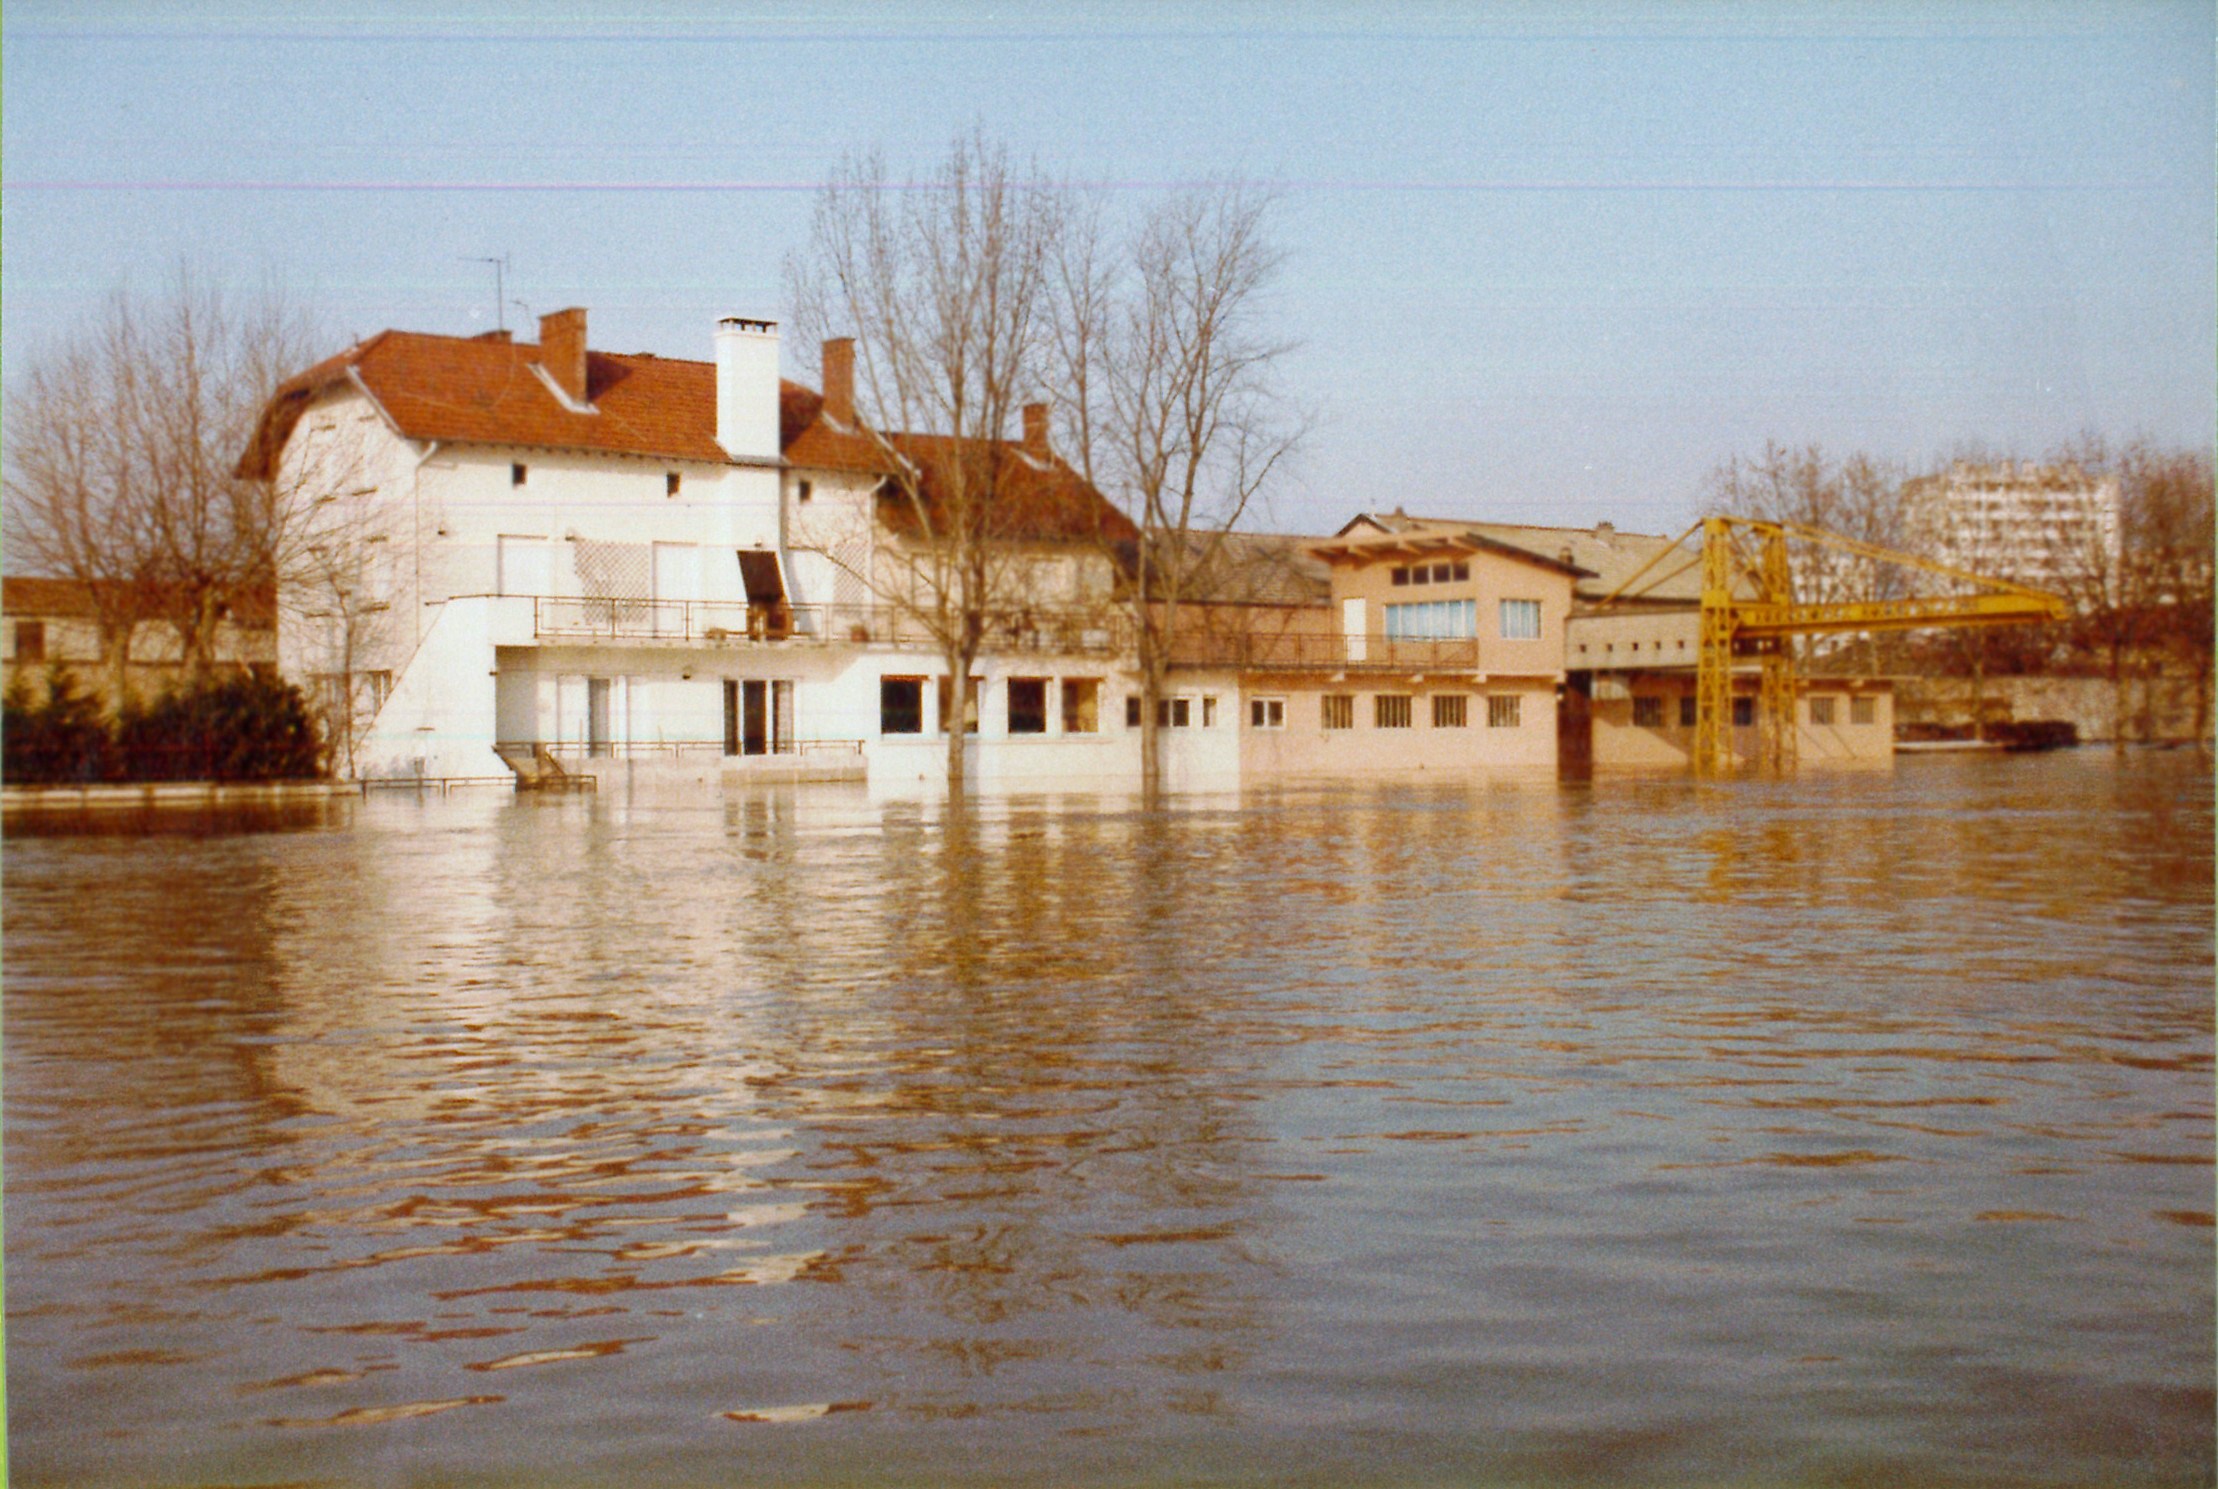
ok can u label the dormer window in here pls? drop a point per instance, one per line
(516, 474)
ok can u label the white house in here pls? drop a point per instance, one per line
(543, 558)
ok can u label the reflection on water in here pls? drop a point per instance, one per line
(1858, 1128)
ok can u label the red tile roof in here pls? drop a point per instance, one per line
(484, 390)
(33, 595)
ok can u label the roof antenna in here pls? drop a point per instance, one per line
(520, 305)
(500, 270)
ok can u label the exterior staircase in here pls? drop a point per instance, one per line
(538, 770)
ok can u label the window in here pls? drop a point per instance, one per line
(1744, 712)
(947, 703)
(1450, 711)
(1208, 713)
(1520, 620)
(1442, 573)
(1821, 712)
(901, 705)
(1863, 710)
(1131, 711)
(30, 640)
(1028, 705)
(1337, 711)
(803, 491)
(1462, 572)
(1266, 713)
(1433, 620)
(1081, 705)
(1401, 576)
(1390, 710)
(670, 484)
(1501, 710)
(1174, 713)
(516, 474)
(1647, 713)
(1686, 712)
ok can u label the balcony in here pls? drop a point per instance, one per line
(1015, 628)
(1319, 650)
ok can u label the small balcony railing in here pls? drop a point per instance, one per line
(723, 622)
(1312, 651)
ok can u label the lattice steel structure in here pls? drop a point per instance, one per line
(1748, 612)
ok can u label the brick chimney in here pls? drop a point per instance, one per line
(1035, 429)
(562, 350)
(839, 379)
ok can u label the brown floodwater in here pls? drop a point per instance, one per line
(1851, 1130)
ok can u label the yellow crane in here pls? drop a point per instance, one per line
(1748, 610)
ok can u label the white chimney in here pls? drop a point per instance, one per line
(747, 387)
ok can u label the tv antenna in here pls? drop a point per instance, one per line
(500, 272)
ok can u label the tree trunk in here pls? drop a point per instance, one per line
(1151, 735)
(959, 660)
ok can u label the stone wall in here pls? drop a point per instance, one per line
(2159, 708)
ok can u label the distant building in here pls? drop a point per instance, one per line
(2049, 526)
(1628, 672)
(53, 623)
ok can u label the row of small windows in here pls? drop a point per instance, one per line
(901, 708)
(1648, 712)
(1447, 573)
(1394, 711)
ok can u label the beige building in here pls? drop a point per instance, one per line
(54, 623)
(1628, 671)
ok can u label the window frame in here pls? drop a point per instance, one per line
(1648, 711)
(1392, 710)
(1009, 693)
(1081, 698)
(916, 684)
(1267, 712)
(1336, 711)
(1505, 711)
(1451, 710)
(1523, 608)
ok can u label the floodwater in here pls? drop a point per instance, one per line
(1853, 1130)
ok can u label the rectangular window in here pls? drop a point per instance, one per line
(1131, 711)
(1744, 712)
(1648, 713)
(1401, 576)
(670, 484)
(1208, 713)
(1028, 705)
(1821, 712)
(1501, 710)
(1686, 711)
(1433, 620)
(1863, 710)
(516, 474)
(1462, 572)
(1081, 705)
(900, 706)
(803, 491)
(1174, 713)
(1442, 573)
(1390, 710)
(1450, 711)
(30, 640)
(1337, 711)
(1520, 620)
(1266, 713)
(947, 703)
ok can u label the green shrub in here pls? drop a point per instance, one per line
(59, 739)
(235, 727)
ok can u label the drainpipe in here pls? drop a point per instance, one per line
(416, 484)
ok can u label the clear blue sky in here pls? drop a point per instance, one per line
(1546, 262)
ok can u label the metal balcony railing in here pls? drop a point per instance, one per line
(1009, 628)
(1306, 651)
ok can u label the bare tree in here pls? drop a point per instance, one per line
(123, 462)
(1858, 497)
(943, 284)
(1167, 372)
